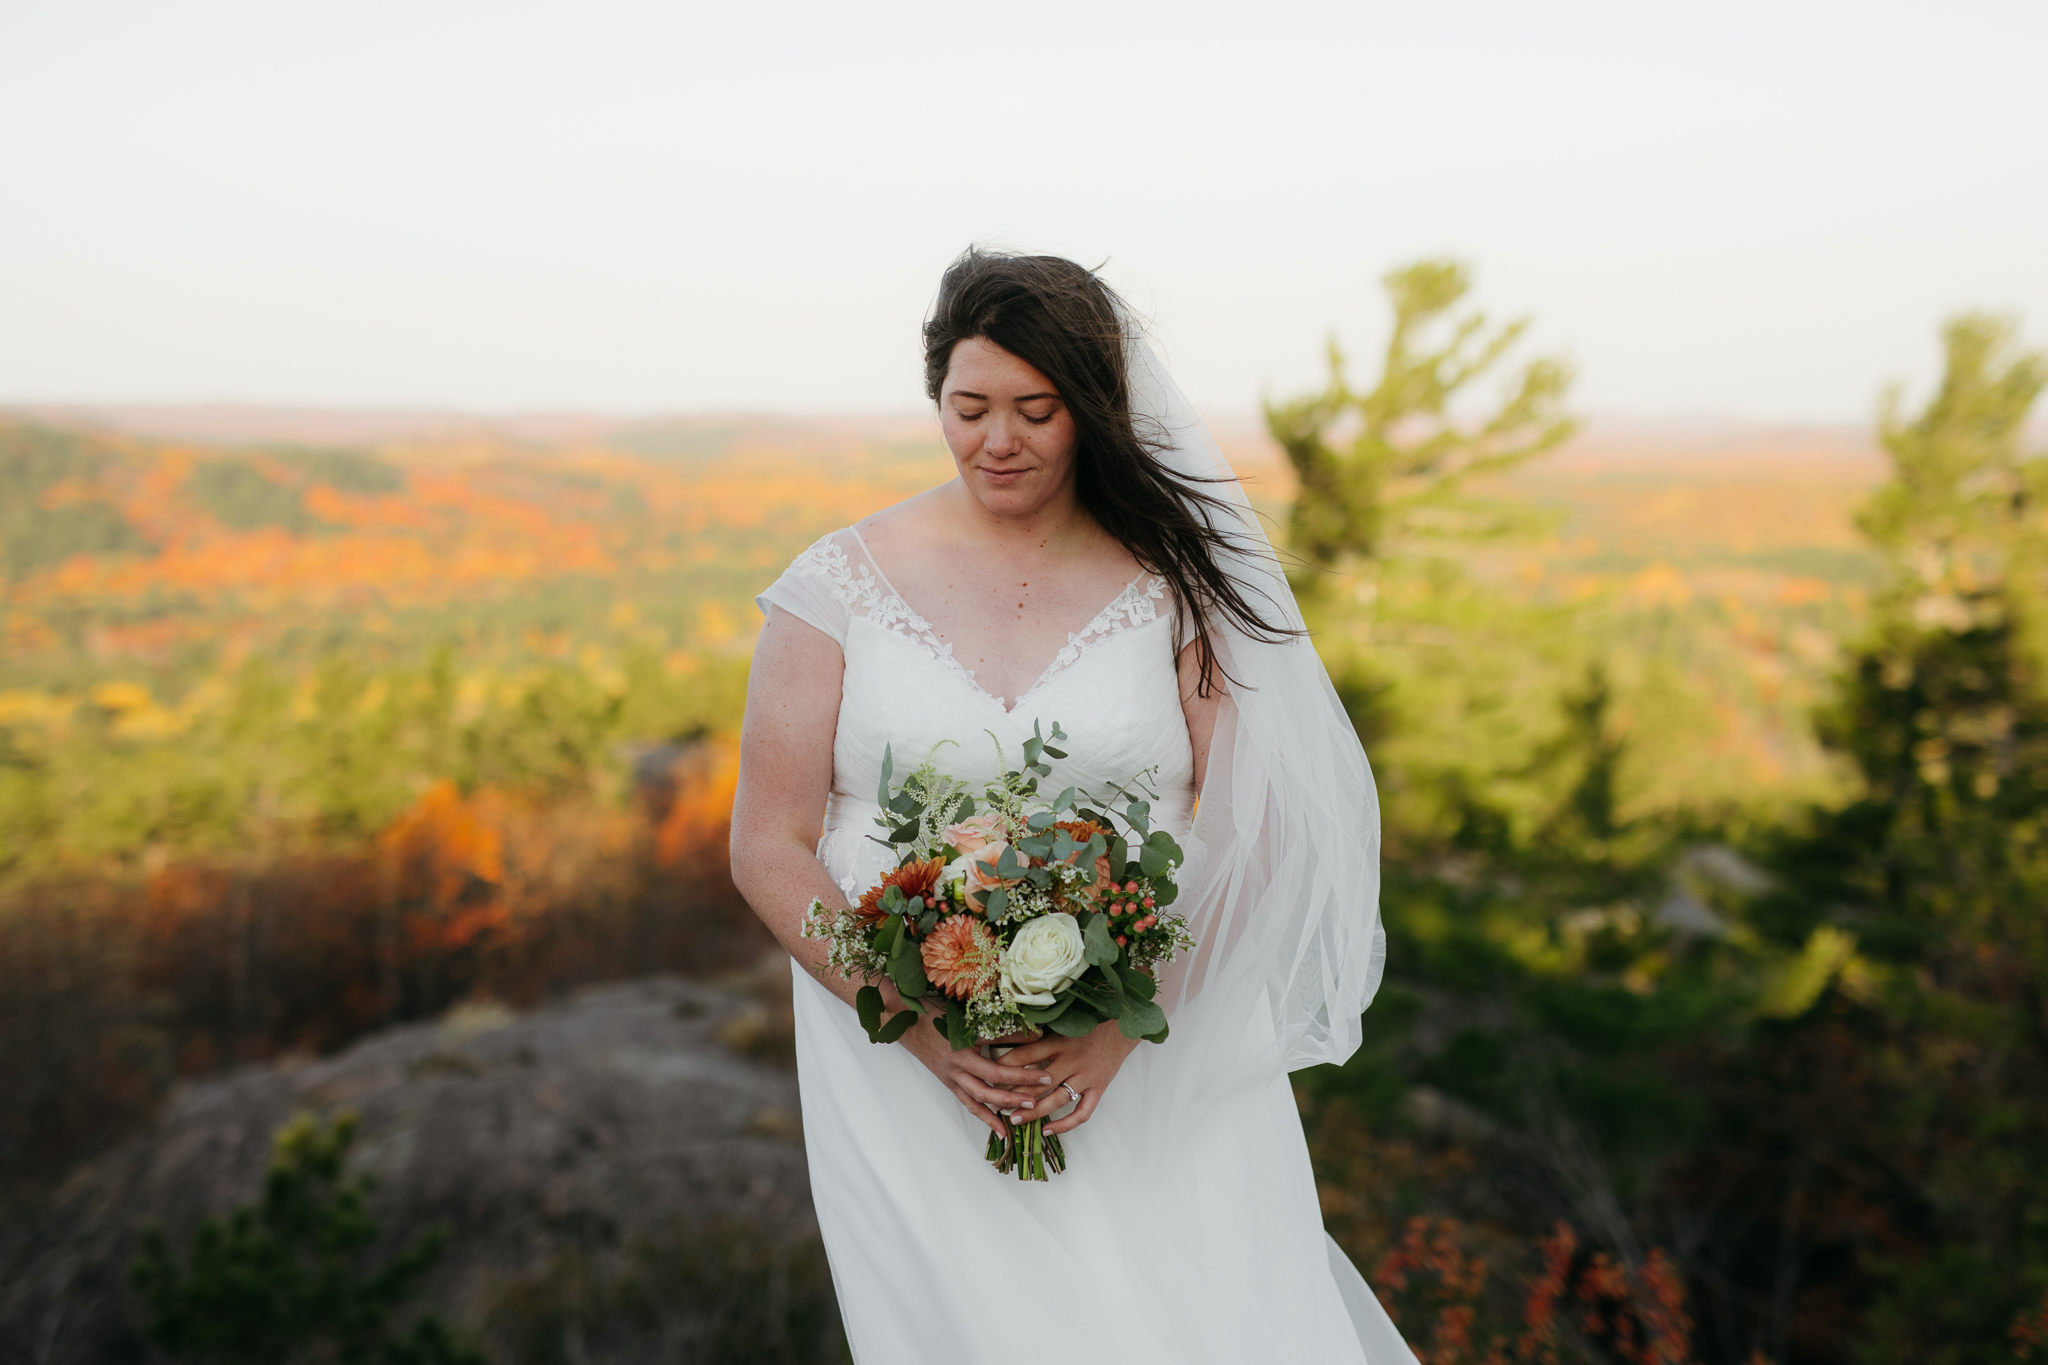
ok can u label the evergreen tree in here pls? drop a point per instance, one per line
(1402, 473)
(280, 1282)
(1939, 871)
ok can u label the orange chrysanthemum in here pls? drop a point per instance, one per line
(912, 879)
(960, 956)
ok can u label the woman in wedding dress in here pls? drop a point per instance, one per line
(1093, 565)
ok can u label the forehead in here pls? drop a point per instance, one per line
(978, 365)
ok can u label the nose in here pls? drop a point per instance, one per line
(1003, 439)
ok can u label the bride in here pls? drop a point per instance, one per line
(1093, 565)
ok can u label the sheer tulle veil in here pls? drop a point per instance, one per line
(1282, 886)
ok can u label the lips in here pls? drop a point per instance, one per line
(1002, 477)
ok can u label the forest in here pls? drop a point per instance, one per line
(1714, 766)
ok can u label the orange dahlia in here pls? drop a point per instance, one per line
(912, 879)
(960, 956)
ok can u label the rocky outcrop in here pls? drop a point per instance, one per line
(623, 1111)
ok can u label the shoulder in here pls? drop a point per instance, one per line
(911, 521)
(825, 558)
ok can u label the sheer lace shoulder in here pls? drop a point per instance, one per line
(837, 580)
(811, 588)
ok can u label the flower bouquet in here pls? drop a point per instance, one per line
(1001, 917)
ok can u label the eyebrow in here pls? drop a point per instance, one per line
(1027, 398)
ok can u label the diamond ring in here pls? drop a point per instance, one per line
(1075, 1094)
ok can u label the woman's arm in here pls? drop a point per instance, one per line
(777, 811)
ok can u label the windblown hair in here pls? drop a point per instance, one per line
(1067, 324)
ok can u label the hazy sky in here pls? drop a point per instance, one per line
(1745, 209)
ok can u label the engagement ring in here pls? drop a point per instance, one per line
(1071, 1091)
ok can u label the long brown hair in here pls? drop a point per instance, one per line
(1065, 322)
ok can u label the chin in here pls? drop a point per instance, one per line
(1015, 500)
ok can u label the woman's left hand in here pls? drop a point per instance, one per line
(1088, 1063)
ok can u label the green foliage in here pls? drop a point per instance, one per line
(267, 486)
(1402, 476)
(281, 1280)
(350, 471)
(720, 1293)
(260, 758)
(245, 497)
(1939, 870)
(34, 462)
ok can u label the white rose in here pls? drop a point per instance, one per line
(1044, 956)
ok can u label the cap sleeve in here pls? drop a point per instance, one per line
(817, 589)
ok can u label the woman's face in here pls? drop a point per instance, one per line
(1011, 436)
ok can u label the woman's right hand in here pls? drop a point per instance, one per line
(975, 1081)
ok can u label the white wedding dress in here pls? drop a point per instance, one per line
(1185, 1228)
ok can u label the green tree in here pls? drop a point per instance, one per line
(280, 1281)
(1403, 473)
(1928, 1141)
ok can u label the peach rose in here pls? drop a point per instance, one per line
(981, 867)
(975, 832)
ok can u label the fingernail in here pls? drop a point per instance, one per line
(1025, 1105)
(1045, 1080)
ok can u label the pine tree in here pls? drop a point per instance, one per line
(280, 1279)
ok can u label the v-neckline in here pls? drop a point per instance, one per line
(923, 625)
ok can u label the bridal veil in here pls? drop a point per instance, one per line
(1282, 888)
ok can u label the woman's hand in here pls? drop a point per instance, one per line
(1088, 1063)
(985, 1087)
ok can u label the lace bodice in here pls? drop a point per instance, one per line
(1114, 687)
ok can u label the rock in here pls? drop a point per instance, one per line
(568, 1130)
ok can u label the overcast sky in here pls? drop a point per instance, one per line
(1741, 209)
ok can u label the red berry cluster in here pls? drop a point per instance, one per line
(1131, 906)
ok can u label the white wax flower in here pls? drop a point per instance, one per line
(1043, 957)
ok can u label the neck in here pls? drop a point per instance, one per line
(1058, 525)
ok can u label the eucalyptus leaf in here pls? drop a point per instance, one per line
(1051, 752)
(1077, 1022)
(1039, 822)
(1096, 944)
(998, 902)
(896, 1027)
(867, 1003)
(1139, 813)
(1152, 861)
(1065, 798)
(1141, 1019)
(1098, 997)
(888, 770)
(906, 967)
(1034, 1014)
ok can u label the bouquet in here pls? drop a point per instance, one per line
(1007, 913)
